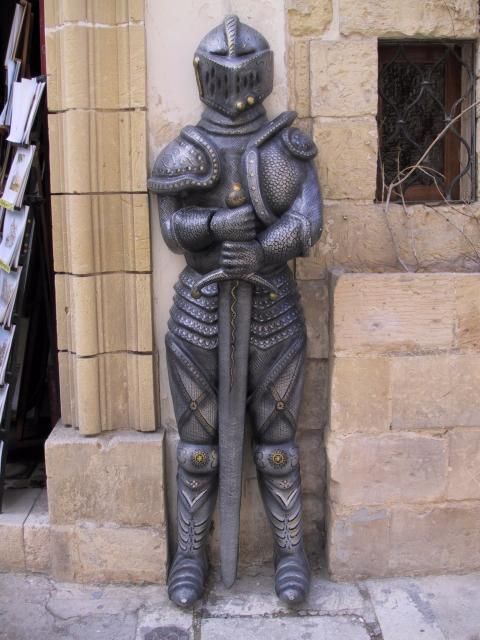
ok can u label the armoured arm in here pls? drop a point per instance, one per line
(298, 229)
(289, 237)
(195, 228)
(184, 228)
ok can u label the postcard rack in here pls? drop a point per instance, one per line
(27, 329)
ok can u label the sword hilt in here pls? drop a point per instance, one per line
(219, 275)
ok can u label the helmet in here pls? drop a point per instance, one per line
(234, 67)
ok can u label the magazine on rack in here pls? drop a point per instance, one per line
(13, 69)
(11, 244)
(25, 101)
(8, 293)
(15, 33)
(3, 399)
(18, 177)
(6, 339)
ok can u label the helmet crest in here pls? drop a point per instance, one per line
(231, 25)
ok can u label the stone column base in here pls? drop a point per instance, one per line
(106, 506)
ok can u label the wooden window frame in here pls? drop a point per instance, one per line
(424, 53)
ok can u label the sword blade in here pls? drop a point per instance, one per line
(234, 313)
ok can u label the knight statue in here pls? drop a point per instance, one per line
(238, 196)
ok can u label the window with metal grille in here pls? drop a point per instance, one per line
(425, 91)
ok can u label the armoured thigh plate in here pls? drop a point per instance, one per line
(192, 360)
(277, 351)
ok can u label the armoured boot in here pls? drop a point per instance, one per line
(280, 485)
(197, 481)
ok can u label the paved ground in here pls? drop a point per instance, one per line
(433, 608)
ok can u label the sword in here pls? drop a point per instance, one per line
(234, 314)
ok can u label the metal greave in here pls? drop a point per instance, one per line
(197, 481)
(280, 485)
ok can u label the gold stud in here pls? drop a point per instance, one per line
(250, 100)
(273, 295)
(240, 106)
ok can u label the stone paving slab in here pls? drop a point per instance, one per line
(429, 608)
(444, 607)
(312, 628)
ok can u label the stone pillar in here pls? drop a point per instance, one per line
(97, 129)
(106, 492)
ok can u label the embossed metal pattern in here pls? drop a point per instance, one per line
(239, 197)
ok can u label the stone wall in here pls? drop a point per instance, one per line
(403, 443)
(333, 69)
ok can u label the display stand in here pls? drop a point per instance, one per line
(32, 321)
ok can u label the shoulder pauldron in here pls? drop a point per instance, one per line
(189, 162)
(299, 143)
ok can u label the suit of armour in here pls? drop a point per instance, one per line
(237, 191)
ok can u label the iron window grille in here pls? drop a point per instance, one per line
(423, 88)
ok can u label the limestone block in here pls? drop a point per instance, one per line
(360, 397)
(344, 77)
(439, 238)
(347, 159)
(467, 293)
(312, 460)
(464, 464)
(97, 151)
(435, 538)
(112, 478)
(104, 313)
(299, 77)
(12, 557)
(309, 17)
(107, 392)
(58, 12)
(380, 469)
(16, 506)
(102, 554)
(91, 67)
(392, 314)
(451, 18)
(36, 537)
(437, 391)
(314, 522)
(358, 543)
(314, 296)
(100, 233)
(314, 406)
(357, 237)
(68, 401)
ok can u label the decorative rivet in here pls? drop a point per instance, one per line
(240, 106)
(251, 100)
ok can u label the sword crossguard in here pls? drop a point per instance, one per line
(219, 275)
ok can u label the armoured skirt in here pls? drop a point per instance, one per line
(275, 366)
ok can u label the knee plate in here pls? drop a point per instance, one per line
(277, 460)
(197, 458)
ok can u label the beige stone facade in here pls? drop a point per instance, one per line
(393, 365)
(403, 349)
(403, 436)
